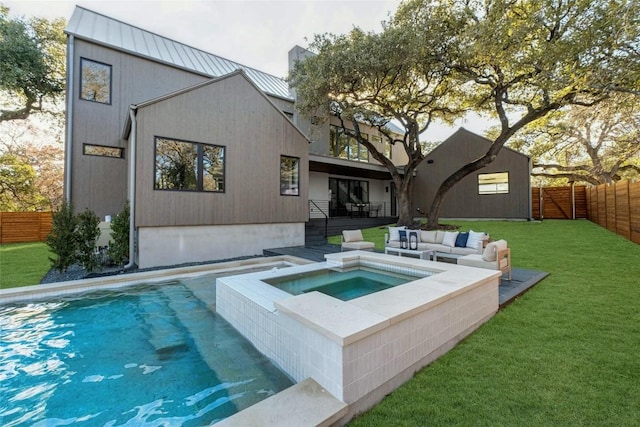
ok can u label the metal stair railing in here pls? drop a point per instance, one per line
(313, 204)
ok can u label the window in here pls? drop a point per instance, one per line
(339, 143)
(189, 166)
(102, 150)
(346, 147)
(95, 81)
(493, 183)
(386, 147)
(289, 176)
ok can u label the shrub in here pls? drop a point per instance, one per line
(62, 238)
(87, 233)
(119, 246)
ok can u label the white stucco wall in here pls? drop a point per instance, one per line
(159, 246)
(318, 186)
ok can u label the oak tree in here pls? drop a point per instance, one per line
(372, 79)
(32, 69)
(521, 60)
(586, 145)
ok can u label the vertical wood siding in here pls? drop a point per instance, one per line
(230, 112)
(100, 183)
(23, 227)
(463, 200)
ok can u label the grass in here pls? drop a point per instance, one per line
(23, 264)
(563, 354)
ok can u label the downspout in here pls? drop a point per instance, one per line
(573, 200)
(530, 190)
(132, 186)
(68, 154)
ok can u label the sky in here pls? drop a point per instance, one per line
(257, 33)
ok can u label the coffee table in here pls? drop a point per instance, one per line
(428, 254)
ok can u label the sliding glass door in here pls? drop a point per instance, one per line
(345, 192)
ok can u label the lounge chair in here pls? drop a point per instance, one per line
(353, 240)
(496, 256)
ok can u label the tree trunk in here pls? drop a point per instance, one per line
(404, 187)
(434, 210)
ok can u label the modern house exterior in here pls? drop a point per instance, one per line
(216, 162)
(500, 190)
(211, 155)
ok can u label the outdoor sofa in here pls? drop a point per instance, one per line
(446, 244)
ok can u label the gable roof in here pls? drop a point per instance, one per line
(463, 133)
(100, 29)
(127, 125)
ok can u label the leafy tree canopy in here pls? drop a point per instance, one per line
(521, 60)
(18, 191)
(32, 69)
(586, 145)
(373, 79)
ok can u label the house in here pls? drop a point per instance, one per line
(211, 154)
(500, 190)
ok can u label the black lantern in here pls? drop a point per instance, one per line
(403, 239)
(413, 240)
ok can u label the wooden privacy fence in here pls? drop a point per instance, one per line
(568, 202)
(21, 227)
(617, 208)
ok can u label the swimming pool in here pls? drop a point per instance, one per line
(344, 284)
(145, 355)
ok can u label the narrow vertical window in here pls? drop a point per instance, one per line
(289, 176)
(95, 81)
(212, 168)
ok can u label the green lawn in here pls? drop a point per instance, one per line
(567, 353)
(23, 264)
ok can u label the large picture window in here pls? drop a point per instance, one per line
(493, 183)
(289, 176)
(188, 166)
(95, 81)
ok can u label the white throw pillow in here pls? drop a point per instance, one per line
(352, 236)
(428, 236)
(474, 239)
(490, 253)
(394, 233)
(450, 238)
(440, 236)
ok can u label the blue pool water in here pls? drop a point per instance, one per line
(342, 284)
(144, 356)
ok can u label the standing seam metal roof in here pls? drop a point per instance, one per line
(101, 29)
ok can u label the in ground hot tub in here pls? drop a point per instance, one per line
(344, 283)
(360, 349)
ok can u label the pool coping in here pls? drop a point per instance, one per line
(40, 291)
